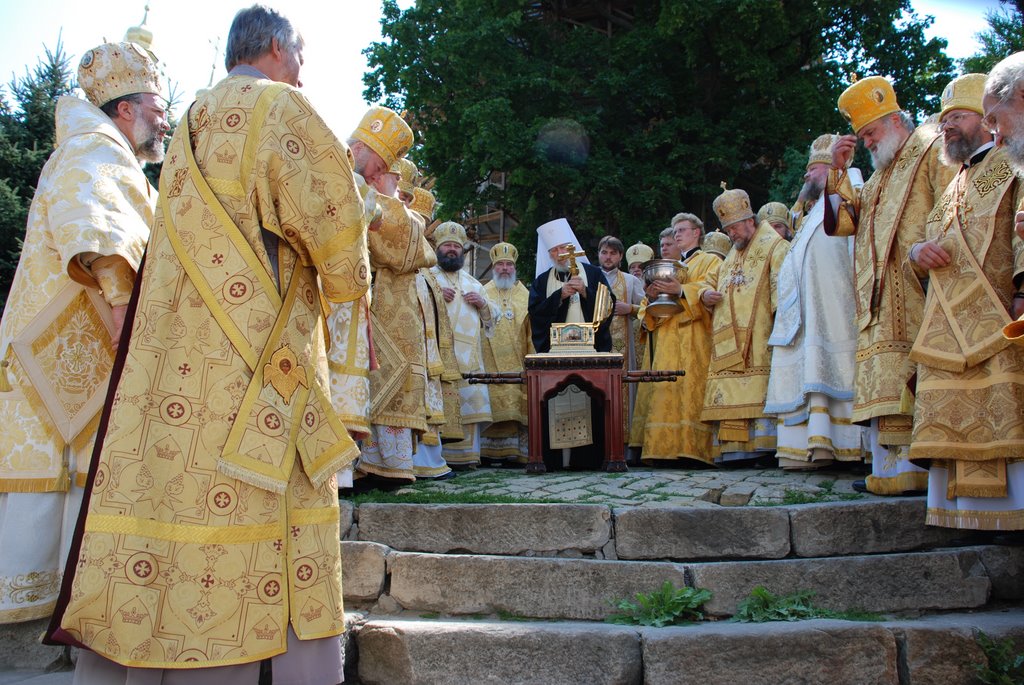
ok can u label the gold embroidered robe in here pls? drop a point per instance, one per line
(673, 428)
(398, 249)
(968, 405)
(504, 352)
(887, 216)
(91, 197)
(740, 358)
(212, 522)
(451, 378)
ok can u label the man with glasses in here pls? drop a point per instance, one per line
(87, 230)
(968, 424)
(887, 216)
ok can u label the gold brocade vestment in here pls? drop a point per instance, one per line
(742, 322)
(398, 250)
(969, 389)
(673, 428)
(213, 518)
(92, 196)
(505, 349)
(888, 216)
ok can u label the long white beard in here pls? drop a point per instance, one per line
(885, 152)
(505, 282)
(1015, 151)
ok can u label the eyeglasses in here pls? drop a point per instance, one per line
(988, 121)
(955, 119)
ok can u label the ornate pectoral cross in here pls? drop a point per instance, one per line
(569, 251)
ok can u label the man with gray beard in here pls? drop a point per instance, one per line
(1003, 104)
(814, 339)
(975, 265)
(887, 216)
(506, 439)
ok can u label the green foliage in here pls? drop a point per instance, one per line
(619, 130)
(27, 129)
(665, 607)
(1004, 665)
(762, 606)
(1004, 37)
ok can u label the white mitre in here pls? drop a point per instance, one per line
(553, 234)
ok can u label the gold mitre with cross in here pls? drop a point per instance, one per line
(423, 203)
(821, 150)
(114, 70)
(407, 173)
(504, 252)
(384, 132)
(450, 232)
(638, 253)
(774, 211)
(866, 100)
(732, 206)
(964, 92)
(716, 243)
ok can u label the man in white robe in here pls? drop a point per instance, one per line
(472, 314)
(814, 339)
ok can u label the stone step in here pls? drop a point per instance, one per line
(653, 533)
(585, 589)
(933, 649)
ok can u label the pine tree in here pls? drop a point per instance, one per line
(27, 129)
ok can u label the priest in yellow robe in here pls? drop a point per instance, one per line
(210, 532)
(745, 300)
(87, 230)
(886, 217)
(969, 408)
(506, 439)
(442, 367)
(674, 435)
(398, 415)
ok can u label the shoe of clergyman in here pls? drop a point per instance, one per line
(859, 486)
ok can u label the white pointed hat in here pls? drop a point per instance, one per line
(552, 234)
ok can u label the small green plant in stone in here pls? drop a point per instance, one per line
(1003, 665)
(761, 606)
(668, 606)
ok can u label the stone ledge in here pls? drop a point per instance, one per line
(871, 527)
(399, 652)
(363, 570)
(694, 534)
(943, 649)
(932, 650)
(487, 528)
(938, 580)
(820, 651)
(570, 589)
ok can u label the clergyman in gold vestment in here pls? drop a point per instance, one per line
(887, 216)
(506, 439)
(87, 230)
(745, 300)
(968, 421)
(210, 533)
(673, 432)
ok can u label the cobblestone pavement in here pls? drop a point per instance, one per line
(642, 486)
